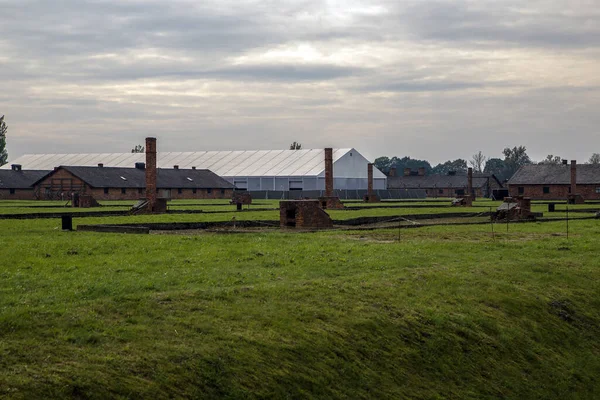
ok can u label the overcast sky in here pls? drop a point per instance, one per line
(429, 79)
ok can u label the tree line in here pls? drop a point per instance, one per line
(513, 159)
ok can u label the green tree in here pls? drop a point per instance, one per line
(3, 152)
(459, 166)
(515, 158)
(138, 149)
(384, 164)
(295, 146)
(594, 159)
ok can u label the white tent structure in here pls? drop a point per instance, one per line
(255, 170)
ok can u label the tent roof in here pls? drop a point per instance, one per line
(309, 162)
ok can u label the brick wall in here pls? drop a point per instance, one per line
(133, 194)
(19, 194)
(303, 214)
(556, 192)
(58, 186)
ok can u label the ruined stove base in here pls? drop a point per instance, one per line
(303, 214)
(373, 198)
(330, 203)
(575, 199)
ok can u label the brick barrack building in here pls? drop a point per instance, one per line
(556, 181)
(17, 184)
(116, 183)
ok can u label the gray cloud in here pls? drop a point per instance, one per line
(393, 77)
(530, 24)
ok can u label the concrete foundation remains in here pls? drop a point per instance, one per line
(465, 201)
(303, 214)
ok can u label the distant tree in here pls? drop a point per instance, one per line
(594, 159)
(478, 162)
(459, 166)
(295, 146)
(3, 130)
(384, 164)
(138, 149)
(551, 159)
(515, 158)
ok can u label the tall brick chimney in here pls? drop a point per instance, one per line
(470, 181)
(370, 179)
(393, 171)
(329, 172)
(573, 177)
(151, 172)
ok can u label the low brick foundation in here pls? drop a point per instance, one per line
(83, 201)
(575, 199)
(515, 209)
(330, 203)
(241, 198)
(371, 198)
(303, 214)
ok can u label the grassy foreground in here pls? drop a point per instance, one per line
(446, 312)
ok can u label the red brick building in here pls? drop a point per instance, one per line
(17, 184)
(556, 181)
(115, 183)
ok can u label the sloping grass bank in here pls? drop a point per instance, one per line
(444, 313)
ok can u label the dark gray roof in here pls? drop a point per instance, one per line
(436, 181)
(23, 179)
(116, 177)
(553, 174)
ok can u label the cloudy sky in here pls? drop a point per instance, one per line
(429, 79)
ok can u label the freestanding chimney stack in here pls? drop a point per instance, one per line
(151, 172)
(328, 172)
(393, 171)
(370, 197)
(329, 201)
(407, 171)
(370, 179)
(470, 182)
(421, 171)
(573, 177)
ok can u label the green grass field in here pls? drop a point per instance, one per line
(429, 313)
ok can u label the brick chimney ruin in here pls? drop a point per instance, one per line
(329, 200)
(470, 191)
(393, 171)
(155, 205)
(371, 197)
(574, 197)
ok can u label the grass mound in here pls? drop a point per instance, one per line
(442, 313)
